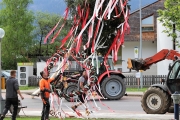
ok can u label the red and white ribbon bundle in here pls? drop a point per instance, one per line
(98, 27)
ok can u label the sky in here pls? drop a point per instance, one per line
(59, 6)
(51, 6)
(135, 4)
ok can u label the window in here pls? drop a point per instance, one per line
(23, 69)
(23, 75)
(148, 24)
(23, 82)
(175, 71)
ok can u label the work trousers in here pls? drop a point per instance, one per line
(45, 110)
(82, 97)
(9, 102)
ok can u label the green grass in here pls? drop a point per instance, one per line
(26, 88)
(127, 89)
(136, 89)
(52, 118)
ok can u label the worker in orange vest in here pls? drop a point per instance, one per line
(45, 90)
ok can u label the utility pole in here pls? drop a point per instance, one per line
(2, 33)
(140, 37)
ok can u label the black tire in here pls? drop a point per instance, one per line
(113, 87)
(19, 108)
(71, 87)
(155, 101)
(171, 109)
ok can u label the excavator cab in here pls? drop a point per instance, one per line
(100, 64)
(173, 78)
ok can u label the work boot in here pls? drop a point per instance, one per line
(74, 107)
(45, 119)
(13, 118)
(87, 112)
(2, 117)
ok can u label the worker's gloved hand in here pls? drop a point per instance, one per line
(47, 90)
(58, 77)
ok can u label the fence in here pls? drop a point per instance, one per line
(131, 80)
(33, 80)
(148, 80)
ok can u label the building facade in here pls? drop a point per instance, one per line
(149, 22)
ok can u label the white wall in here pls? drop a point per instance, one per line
(117, 67)
(163, 42)
(148, 50)
(24, 71)
(42, 65)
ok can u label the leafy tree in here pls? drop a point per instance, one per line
(44, 23)
(170, 15)
(17, 21)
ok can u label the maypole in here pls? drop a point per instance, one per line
(98, 26)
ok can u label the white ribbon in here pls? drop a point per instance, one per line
(112, 8)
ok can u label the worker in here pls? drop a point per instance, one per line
(12, 89)
(45, 91)
(81, 83)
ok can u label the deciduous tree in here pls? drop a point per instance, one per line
(170, 15)
(17, 21)
(44, 23)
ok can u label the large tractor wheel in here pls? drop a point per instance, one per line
(155, 101)
(113, 87)
(70, 88)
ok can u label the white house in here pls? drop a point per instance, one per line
(153, 38)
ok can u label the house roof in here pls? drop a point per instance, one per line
(134, 18)
(144, 7)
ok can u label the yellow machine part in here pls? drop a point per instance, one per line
(3, 82)
(129, 64)
(65, 82)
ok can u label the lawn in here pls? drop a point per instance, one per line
(52, 118)
(136, 89)
(127, 89)
(27, 88)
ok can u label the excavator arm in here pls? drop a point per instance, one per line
(144, 64)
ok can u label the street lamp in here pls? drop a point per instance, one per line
(176, 101)
(2, 33)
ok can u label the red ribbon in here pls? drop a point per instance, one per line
(47, 36)
(65, 18)
(84, 21)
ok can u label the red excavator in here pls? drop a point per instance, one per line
(157, 98)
